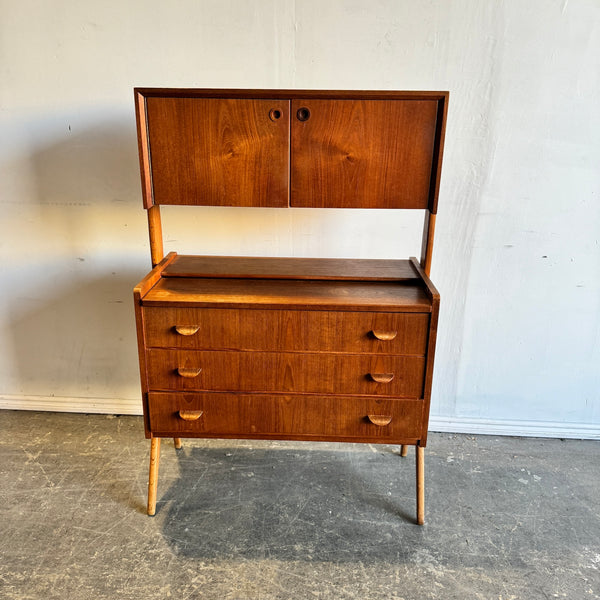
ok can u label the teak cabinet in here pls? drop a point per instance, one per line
(288, 348)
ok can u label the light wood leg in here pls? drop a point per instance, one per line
(420, 485)
(177, 443)
(153, 478)
(404, 450)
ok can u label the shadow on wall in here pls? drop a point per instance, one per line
(79, 341)
(71, 310)
(98, 166)
(71, 306)
(83, 238)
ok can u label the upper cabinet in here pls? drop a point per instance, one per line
(281, 148)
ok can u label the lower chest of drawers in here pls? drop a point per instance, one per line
(289, 374)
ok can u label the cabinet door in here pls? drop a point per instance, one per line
(219, 151)
(362, 153)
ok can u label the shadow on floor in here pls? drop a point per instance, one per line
(289, 504)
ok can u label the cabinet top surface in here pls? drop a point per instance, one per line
(289, 294)
(150, 92)
(285, 283)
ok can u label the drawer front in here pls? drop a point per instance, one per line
(400, 376)
(289, 416)
(294, 330)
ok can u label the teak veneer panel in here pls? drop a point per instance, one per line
(225, 152)
(291, 268)
(362, 153)
(289, 330)
(286, 372)
(286, 417)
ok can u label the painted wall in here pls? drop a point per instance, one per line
(517, 255)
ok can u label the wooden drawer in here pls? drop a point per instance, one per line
(285, 416)
(286, 372)
(292, 330)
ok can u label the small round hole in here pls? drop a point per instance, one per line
(274, 114)
(303, 114)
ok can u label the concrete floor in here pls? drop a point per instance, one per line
(507, 518)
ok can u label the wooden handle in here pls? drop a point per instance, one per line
(383, 335)
(382, 377)
(190, 415)
(380, 420)
(186, 330)
(188, 372)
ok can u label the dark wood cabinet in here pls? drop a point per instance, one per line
(379, 151)
(288, 348)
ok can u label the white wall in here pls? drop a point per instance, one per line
(517, 255)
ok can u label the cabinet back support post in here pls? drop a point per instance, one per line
(155, 230)
(427, 245)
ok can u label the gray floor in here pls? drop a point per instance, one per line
(506, 518)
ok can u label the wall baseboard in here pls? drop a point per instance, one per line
(103, 406)
(548, 429)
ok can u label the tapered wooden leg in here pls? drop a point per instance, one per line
(404, 450)
(420, 485)
(153, 478)
(177, 443)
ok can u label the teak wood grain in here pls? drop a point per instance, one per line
(337, 269)
(251, 148)
(290, 294)
(362, 153)
(280, 416)
(140, 290)
(225, 152)
(433, 327)
(285, 372)
(152, 278)
(286, 330)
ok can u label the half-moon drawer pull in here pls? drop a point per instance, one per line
(382, 377)
(186, 330)
(380, 420)
(189, 373)
(383, 335)
(190, 415)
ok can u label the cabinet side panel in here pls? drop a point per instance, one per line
(139, 321)
(142, 134)
(438, 154)
(362, 153)
(219, 151)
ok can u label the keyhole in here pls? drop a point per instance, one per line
(303, 114)
(274, 114)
